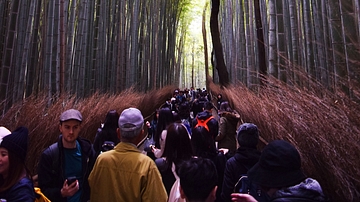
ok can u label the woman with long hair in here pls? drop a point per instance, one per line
(165, 118)
(15, 179)
(107, 132)
(177, 149)
(204, 146)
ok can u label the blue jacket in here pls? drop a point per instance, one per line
(23, 191)
(51, 171)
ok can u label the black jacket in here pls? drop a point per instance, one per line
(238, 165)
(51, 173)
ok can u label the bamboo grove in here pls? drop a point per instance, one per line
(84, 46)
(318, 37)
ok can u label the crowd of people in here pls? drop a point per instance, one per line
(196, 149)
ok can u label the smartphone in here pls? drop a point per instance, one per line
(70, 180)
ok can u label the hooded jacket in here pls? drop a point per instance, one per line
(227, 133)
(308, 190)
(212, 124)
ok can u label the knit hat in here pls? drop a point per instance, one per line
(4, 132)
(71, 114)
(17, 142)
(248, 135)
(279, 166)
(131, 119)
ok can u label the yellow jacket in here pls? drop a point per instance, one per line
(124, 174)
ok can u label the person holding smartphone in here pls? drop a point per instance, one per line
(64, 166)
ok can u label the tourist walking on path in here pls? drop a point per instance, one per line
(165, 118)
(106, 137)
(207, 120)
(198, 178)
(279, 174)
(124, 173)
(204, 146)
(15, 180)
(227, 128)
(246, 156)
(70, 158)
(177, 149)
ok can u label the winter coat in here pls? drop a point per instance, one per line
(227, 133)
(125, 174)
(213, 124)
(308, 190)
(51, 179)
(220, 162)
(238, 165)
(22, 191)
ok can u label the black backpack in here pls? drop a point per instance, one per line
(244, 185)
(107, 145)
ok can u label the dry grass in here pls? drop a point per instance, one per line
(43, 120)
(324, 128)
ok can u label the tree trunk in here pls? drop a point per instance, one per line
(7, 56)
(273, 70)
(206, 57)
(62, 46)
(215, 34)
(260, 42)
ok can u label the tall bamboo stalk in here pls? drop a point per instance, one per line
(62, 47)
(27, 44)
(273, 69)
(8, 55)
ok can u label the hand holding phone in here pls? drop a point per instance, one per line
(70, 180)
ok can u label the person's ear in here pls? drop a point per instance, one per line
(182, 194)
(212, 195)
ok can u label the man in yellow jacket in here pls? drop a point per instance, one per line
(124, 173)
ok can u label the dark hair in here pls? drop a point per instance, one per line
(184, 110)
(176, 117)
(208, 105)
(17, 168)
(225, 107)
(108, 132)
(198, 177)
(155, 118)
(177, 144)
(165, 118)
(203, 143)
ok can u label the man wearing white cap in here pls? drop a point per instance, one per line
(124, 173)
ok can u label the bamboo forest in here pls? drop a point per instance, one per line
(290, 66)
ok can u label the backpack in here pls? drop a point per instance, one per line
(40, 197)
(244, 185)
(187, 125)
(203, 123)
(107, 145)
